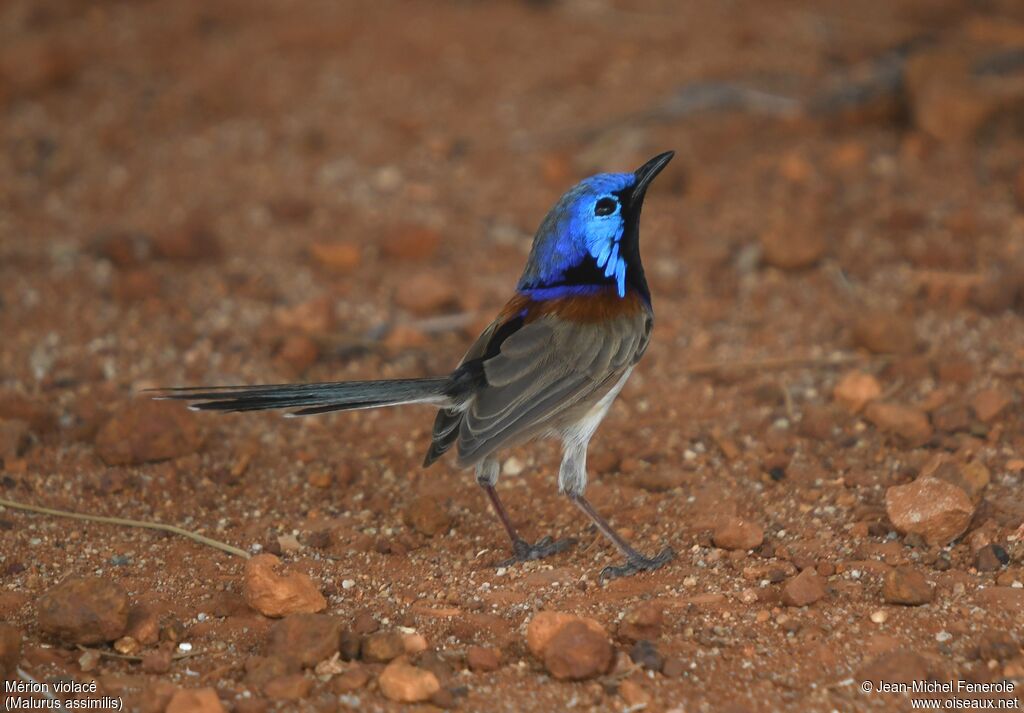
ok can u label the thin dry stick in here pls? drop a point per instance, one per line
(774, 363)
(202, 539)
(129, 657)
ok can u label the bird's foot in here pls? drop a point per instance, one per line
(523, 551)
(638, 564)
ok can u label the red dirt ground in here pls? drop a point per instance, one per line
(239, 192)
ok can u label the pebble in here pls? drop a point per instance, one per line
(195, 700)
(545, 624)
(290, 687)
(884, 333)
(998, 645)
(906, 585)
(793, 249)
(260, 670)
(156, 662)
(972, 477)
(738, 534)
(351, 679)
(428, 516)
(84, 610)
(634, 695)
(411, 242)
(364, 623)
(482, 659)
(382, 647)
(297, 353)
(337, 257)
(10, 650)
(855, 390)
(426, 294)
(192, 242)
(404, 683)
(145, 431)
(315, 316)
(991, 558)
(278, 595)
(17, 406)
(946, 100)
(898, 666)
(643, 622)
(803, 589)
(645, 654)
(14, 439)
(909, 423)
(309, 638)
(576, 652)
(989, 404)
(934, 509)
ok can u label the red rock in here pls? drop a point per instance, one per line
(191, 242)
(411, 243)
(297, 353)
(309, 638)
(643, 622)
(936, 510)
(124, 249)
(382, 647)
(803, 589)
(855, 389)
(195, 700)
(991, 558)
(545, 624)
(908, 423)
(634, 695)
(884, 333)
(10, 650)
(84, 610)
(14, 439)
(278, 595)
(136, 285)
(738, 534)
(260, 670)
(972, 477)
(997, 645)
(291, 687)
(16, 406)
(315, 316)
(946, 99)
(793, 247)
(404, 683)
(483, 660)
(989, 404)
(906, 585)
(364, 623)
(577, 652)
(145, 431)
(337, 257)
(156, 662)
(351, 679)
(426, 294)
(428, 516)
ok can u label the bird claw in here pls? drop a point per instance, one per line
(523, 551)
(637, 564)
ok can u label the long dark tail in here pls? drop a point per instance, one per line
(310, 399)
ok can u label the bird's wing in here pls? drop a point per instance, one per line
(544, 368)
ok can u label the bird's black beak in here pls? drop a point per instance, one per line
(646, 173)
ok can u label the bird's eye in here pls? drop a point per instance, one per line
(605, 206)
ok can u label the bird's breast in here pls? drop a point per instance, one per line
(582, 309)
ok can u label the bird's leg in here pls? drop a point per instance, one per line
(572, 479)
(522, 551)
(635, 562)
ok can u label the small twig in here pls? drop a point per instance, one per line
(787, 399)
(774, 363)
(131, 657)
(195, 536)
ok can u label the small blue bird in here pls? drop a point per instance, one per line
(550, 365)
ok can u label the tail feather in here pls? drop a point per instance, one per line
(312, 399)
